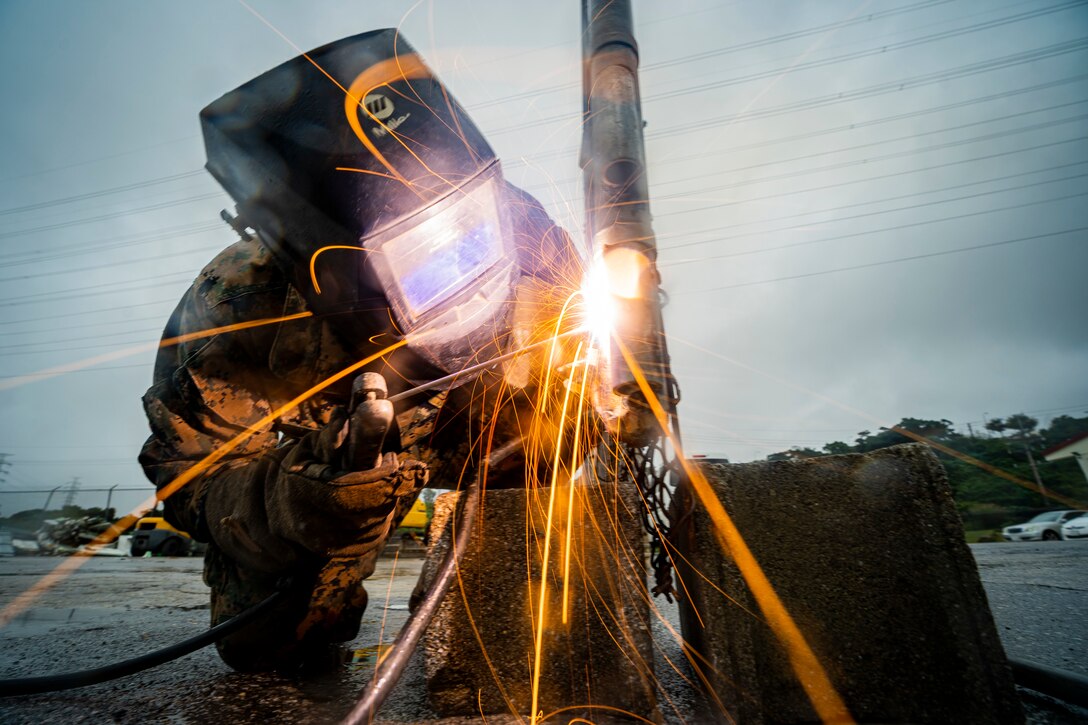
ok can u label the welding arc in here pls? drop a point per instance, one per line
(84, 678)
(390, 669)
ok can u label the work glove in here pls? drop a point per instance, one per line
(303, 501)
(334, 512)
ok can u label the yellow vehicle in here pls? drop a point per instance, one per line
(416, 518)
(153, 534)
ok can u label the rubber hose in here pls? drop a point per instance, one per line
(1068, 686)
(82, 678)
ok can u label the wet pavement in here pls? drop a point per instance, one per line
(116, 608)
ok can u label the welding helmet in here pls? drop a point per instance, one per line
(375, 191)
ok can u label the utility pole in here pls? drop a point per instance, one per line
(1031, 461)
(4, 465)
(71, 496)
(49, 498)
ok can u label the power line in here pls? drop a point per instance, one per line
(694, 57)
(100, 193)
(885, 262)
(115, 264)
(144, 332)
(731, 150)
(905, 225)
(85, 327)
(704, 154)
(114, 289)
(80, 313)
(113, 215)
(100, 245)
(901, 154)
(964, 71)
(890, 47)
(865, 180)
(148, 364)
(780, 177)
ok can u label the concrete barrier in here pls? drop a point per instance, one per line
(867, 554)
(479, 658)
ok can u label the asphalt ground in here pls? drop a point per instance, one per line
(115, 608)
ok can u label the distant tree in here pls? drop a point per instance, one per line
(836, 448)
(938, 429)
(862, 437)
(1023, 424)
(794, 454)
(1062, 429)
(996, 425)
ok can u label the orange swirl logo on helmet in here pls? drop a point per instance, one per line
(359, 96)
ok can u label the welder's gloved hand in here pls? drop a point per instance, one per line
(297, 503)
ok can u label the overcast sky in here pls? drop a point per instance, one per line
(865, 210)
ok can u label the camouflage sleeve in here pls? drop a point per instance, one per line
(209, 390)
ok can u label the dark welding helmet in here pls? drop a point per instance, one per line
(375, 191)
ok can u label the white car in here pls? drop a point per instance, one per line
(1075, 528)
(1044, 527)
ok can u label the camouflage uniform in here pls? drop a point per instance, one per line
(207, 391)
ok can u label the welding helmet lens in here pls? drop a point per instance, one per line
(441, 255)
(447, 272)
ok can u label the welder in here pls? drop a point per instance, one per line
(372, 215)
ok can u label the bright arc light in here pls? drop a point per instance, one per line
(598, 305)
(617, 273)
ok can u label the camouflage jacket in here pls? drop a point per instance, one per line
(209, 389)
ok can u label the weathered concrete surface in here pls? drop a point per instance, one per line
(867, 553)
(479, 658)
(1039, 593)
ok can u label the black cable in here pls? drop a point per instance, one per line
(83, 678)
(1064, 685)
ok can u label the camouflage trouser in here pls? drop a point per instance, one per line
(321, 607)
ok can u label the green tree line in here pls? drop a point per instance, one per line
(1012, 444)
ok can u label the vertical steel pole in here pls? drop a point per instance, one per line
(618, 221)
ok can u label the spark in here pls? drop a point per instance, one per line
(385, 611)
(313, 261)
(570, 496)
(539, 639)
(129, 351)
(806, 666)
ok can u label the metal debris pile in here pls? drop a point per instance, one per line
(65, 536)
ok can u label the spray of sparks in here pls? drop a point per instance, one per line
(565, 385)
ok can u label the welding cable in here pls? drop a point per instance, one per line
(468, 373)
(1071, 687)
(83, 678)
(392, 667)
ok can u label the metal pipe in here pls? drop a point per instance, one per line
(618, 220)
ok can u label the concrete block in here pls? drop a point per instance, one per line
(479, 650)
(868, 555)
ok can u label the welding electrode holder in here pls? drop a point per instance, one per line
(338, 590)
(369, 422)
